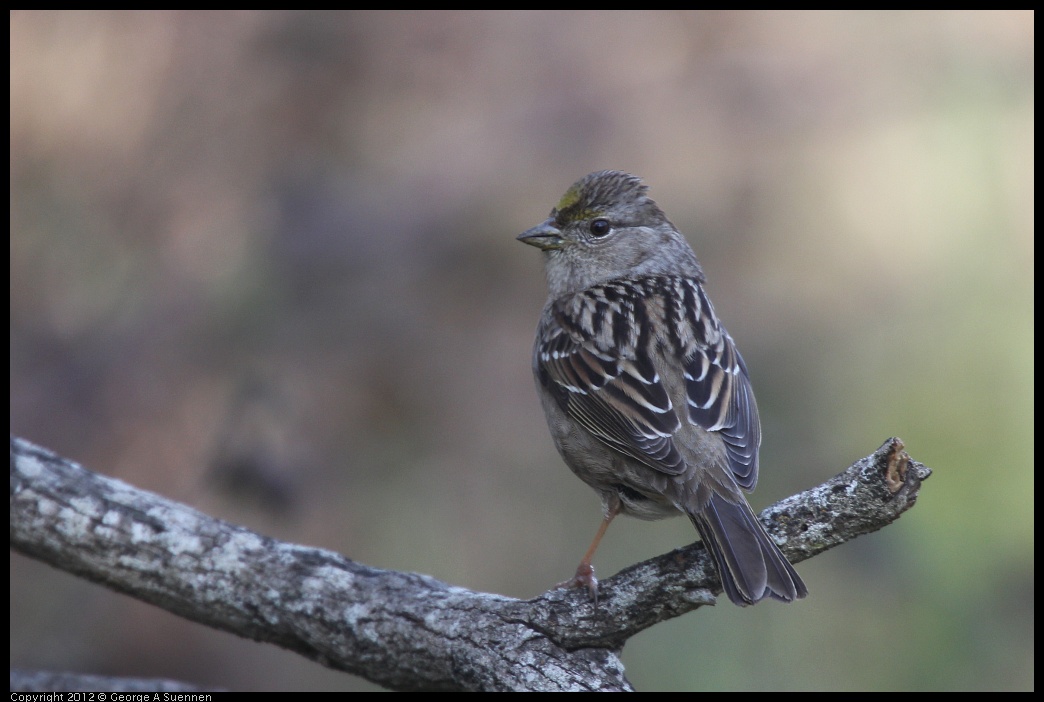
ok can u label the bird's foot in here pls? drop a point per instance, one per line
(585, 577)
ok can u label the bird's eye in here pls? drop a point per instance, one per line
(600, 227)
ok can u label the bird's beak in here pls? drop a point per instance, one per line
(544, 236)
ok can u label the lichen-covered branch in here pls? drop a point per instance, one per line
(405, 631)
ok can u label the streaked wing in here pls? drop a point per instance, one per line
(594, 357)
(612, 390)
(717, 384)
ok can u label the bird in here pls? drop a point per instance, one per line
(646, 396)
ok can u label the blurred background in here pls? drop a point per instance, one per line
(265, 264)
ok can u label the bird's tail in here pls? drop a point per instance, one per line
(750, 565)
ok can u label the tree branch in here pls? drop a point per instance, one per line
(405, 631)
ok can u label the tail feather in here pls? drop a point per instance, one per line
(750, 564)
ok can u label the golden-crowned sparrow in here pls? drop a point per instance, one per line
(646, 396)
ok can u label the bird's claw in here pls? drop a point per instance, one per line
(585, 577)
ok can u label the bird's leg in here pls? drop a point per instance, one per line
(585, 572)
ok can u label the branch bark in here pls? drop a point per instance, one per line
(405, 631)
